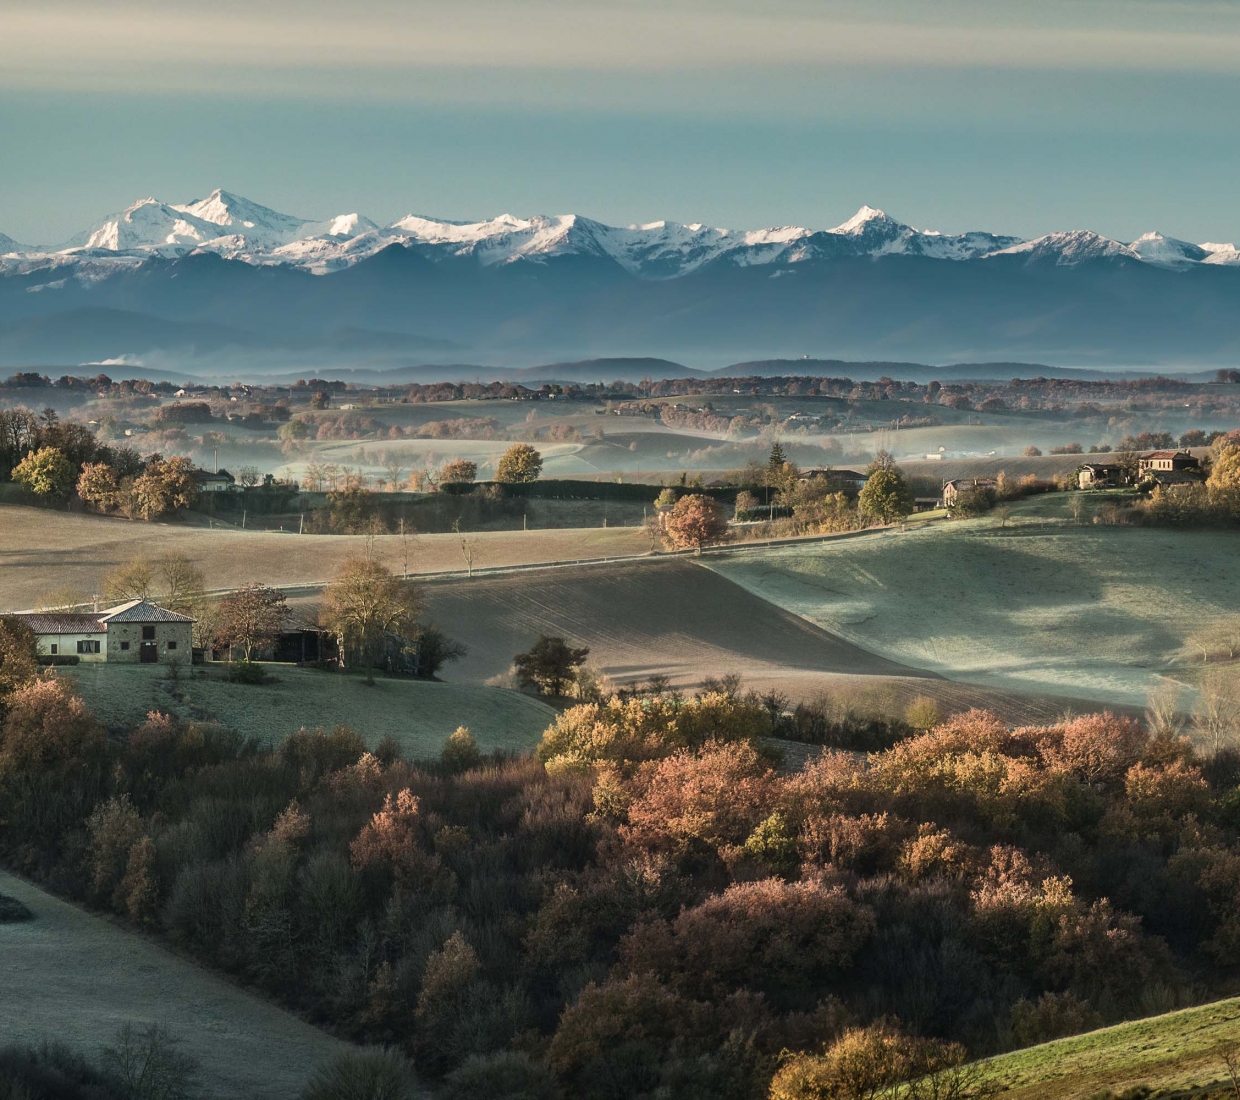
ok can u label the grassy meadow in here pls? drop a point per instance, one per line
(78, 978)
(1169, 1054)
(419, 715)
(1041, 604)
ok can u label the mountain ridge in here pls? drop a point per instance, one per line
(239, 228)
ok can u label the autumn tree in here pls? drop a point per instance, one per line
(549, 665)
(520, 463)
(886, 497)
(19, 657)
(252, 615)
(46, 473)
(364, 602)
(164, 486)
(98, 486)
(459, 472)
(695, 521)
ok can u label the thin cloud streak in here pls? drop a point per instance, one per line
(135, 46)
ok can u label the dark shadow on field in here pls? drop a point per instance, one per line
(668, 616)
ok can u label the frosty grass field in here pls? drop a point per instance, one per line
(1100, 613)
(419, 715)
(68, 974)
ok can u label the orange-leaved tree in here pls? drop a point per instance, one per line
(695, 521)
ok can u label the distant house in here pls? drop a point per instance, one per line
(1099, 475)
(953, 489)
(219, 482)
(1167, 461)
(849, 480)
(134, 631)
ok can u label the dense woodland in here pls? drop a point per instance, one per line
(649, 906)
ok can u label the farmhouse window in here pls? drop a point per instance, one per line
(54, 648)
(124, 646)
(148, 633)
(88, 646)
(172, 645)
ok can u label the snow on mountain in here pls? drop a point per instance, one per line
(1220, 253)
(260, 226)
(149, 225)
(240, 229)
(1154, 248)
(1069, 248)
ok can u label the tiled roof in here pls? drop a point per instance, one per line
(56, 622)
(1167, 454)
(141, 611)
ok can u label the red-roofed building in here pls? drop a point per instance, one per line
(1157, 461)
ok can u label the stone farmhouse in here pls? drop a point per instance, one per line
(953, 489)
(134, 631)
(1166, 461)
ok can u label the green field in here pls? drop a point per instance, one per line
(77, 978)
(1100, 613)
(419, 715)
(1178, 1051)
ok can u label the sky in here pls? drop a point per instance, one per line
(1009, 116)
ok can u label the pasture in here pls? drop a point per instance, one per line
(44, 551)
(78, 978)
(677, 618)
(419, 715)
(1177, 1051)
(1099, 613)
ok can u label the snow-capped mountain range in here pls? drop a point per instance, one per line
(238, 229)
(226, 280)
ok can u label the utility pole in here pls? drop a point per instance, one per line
(301, 524)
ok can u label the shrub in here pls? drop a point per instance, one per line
(12, 911)
(146, 1065)
(460, 751)
(53, 1071)
(507, 1075)
(376, 1074)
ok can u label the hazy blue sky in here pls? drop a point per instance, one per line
(1016, 117)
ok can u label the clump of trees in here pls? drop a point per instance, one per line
(519, 463)
(161, 486)
(550, 665)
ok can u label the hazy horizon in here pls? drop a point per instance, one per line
(1099, 115)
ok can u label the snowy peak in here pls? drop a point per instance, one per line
(240, 229)
(1069, 248)
(236, 216)
(865, 220)
(147, 224)
(1154, 248)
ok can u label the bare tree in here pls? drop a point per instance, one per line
(395, 473)
(469, 547)
(250, 616)
(1216, 718)
(1162, 710)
